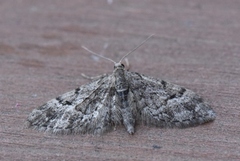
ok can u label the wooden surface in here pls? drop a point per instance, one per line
(196, 45)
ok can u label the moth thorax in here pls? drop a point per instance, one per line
(120, 80)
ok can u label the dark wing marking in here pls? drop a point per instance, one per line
(163, 104)
(87, 109)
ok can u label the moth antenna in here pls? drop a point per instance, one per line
(98, 54)
(135, 48)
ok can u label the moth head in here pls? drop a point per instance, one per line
(119, 66)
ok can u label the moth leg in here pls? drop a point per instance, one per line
(92, 78)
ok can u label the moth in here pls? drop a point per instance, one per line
(121, 98)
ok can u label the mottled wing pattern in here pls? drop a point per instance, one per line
(87, 109)
(163, 104)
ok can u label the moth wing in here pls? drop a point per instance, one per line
(83, 110)
(163, 104)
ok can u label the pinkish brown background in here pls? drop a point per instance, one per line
(196, 45)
